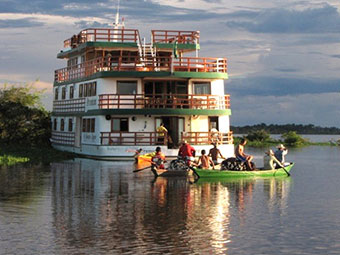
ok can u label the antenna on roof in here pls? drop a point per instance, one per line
(117, 24)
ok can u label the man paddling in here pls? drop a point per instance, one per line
(158, 159)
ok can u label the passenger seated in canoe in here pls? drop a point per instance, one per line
(280, 154)
(137, 154)
(158, 159)
(241, 156)
(214, 153)
(204, 161)
(187, 152)
(269, 161)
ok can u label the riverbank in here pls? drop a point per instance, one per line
(43, 154)
(274, 142)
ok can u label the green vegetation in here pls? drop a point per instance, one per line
(261, 138)
(280, 129)
(23, 120)
(292, 139)
(11, 160)
(25, 127)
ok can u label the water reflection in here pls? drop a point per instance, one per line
(103, 205)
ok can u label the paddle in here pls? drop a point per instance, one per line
(138, 170)
(194, 171)
(288, 174)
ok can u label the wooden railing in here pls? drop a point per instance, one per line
(131, 138)
(103, 35)
(191, 64)
(141, 101)
(72, 105)
(170, 36)
(134, 63)
(200, 138)
(64, 138)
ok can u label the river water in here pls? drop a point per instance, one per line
(100, 207)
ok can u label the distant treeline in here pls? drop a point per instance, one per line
(280, 129)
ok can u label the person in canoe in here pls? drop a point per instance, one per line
(187, 152)
(240, 155)
(137, 154)
(204, 161)
(269, 161)
(214, 153)
(158, 159)
(280, 153)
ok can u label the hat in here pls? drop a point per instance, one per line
(269, 152)
(281, 146)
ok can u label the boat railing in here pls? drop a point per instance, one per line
(171, 36)
(201, 138)
(134, 63)
(121, 35)
(72, 105)
(175, 101)
(64, 138)
(131, 138)
(193, 64)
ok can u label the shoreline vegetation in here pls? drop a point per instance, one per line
(262, 138)
(25, 128)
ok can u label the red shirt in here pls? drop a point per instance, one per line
(186, 150)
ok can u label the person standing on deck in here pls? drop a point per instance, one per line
(162, 134)
(240, 155)
(214, 153)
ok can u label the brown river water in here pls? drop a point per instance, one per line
(87, 206)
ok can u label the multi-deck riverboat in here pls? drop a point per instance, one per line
(117, 89)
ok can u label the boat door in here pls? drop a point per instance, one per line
(175, 127)
(77, 138)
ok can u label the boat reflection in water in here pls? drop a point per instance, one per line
(103, 206)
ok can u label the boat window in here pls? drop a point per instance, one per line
(81, 90)
(89, 125)
(56, 94)
(71, 92)
(120, 124)
(126, 87)
(62, 125)
(55, 124)
(70, 125)
(202, 88)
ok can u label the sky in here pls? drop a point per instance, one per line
(283, 56)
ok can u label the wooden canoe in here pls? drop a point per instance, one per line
(169, 173)
(208, 173)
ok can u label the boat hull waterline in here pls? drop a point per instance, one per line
(208, 173)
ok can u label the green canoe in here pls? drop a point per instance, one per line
(208, 173)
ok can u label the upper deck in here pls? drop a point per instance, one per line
(129, 38)
(108, 52)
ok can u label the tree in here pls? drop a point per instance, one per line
(291, 138)
(23, 120)
(258, 135)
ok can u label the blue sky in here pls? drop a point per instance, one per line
(283, 56)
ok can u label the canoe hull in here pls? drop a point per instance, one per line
(168, 173)
(207, 173)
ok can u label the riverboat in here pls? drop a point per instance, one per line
(209, 173)
(117, 89)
